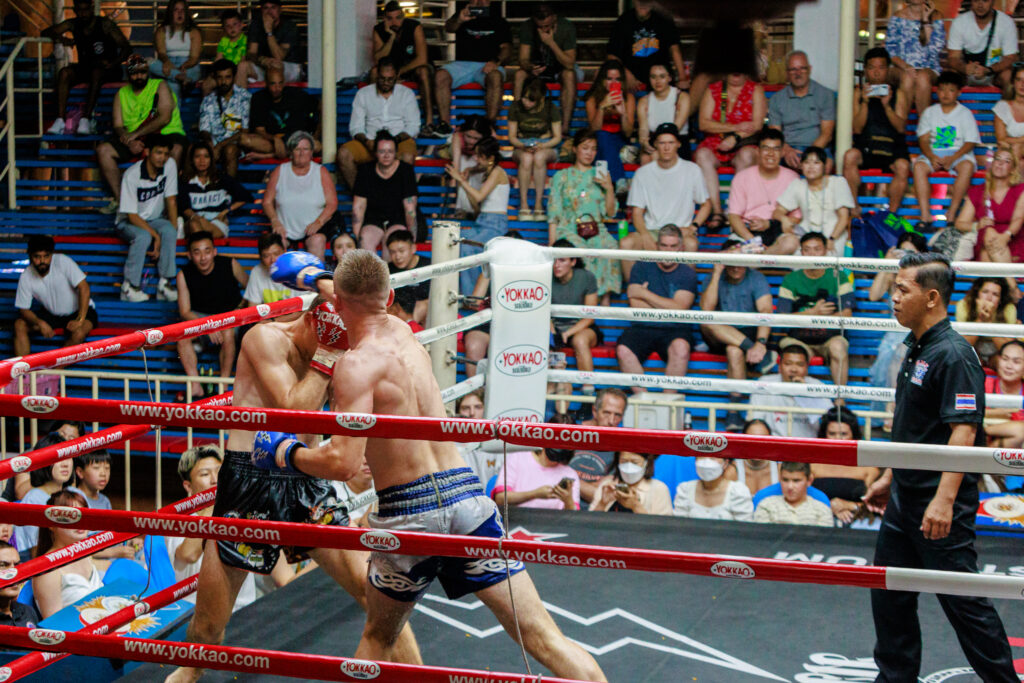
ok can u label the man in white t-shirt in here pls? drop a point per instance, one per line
(147, 219)
(947, 134)
(198, 468)
(56, 282)
(793, 364)
(261, 289)
(752, 198)
(983, 44)
(665, 193)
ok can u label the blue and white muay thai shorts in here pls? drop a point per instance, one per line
(448, 502)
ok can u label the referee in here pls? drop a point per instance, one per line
(928, 517)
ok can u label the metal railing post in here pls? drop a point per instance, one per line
(11, 119)
(443, 306)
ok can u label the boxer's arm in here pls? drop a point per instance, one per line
(263, 351)
(341, 457)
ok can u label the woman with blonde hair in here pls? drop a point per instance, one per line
(997, 209)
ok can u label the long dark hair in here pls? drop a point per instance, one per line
(43, 475)
(972, 298)
(64, 497)
(599, 89)
(190, 169)
(844, 416)
(165, 20)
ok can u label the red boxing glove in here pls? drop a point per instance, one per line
(332, 337)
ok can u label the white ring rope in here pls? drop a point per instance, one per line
(742, 386)
(768, 319)
(792, 262)
(416, 275)
(454, 327)
(464, 387)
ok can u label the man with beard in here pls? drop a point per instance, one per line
(384, 105)
(277, 112)
(143, 107)
(59, 285)
(224, 116)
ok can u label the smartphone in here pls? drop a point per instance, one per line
(615, 87)
(880, 90)
(601, 167)
(566, 483)
(622, 488)
(478, 11)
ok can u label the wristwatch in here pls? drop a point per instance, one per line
(762, 340)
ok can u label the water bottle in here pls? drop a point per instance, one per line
(687, 421)
(623, 229)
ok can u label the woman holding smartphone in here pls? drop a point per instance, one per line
(630, 486)
(538, 479)
(582, 195)
(915, 38)
(534, 131)
(611, 114)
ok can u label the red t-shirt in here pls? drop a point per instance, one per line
(992, 387)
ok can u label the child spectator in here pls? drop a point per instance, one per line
(534, 131)
(45, 482)
(92, 474)
(947, 134)
(198, 468)
(630, 486)
(1010, 370)
(794, 506)
(261, 289)
(208, 196)
(234, 44)
(539, 479)
(713, 495)
(68, 584)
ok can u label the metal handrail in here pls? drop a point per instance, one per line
(9, 132)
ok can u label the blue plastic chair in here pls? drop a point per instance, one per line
(776, 490)
(675, 469)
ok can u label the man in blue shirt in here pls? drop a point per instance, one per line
(671, 286)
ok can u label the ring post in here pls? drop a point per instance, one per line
(443, 306)
(518, 352)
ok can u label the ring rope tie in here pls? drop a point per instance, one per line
(562, 554)
(30, 663)
(245, 660)
(981, 460)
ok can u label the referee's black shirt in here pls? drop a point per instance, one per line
(940, 383)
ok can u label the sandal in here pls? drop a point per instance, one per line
(716, 222)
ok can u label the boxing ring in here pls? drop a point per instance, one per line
(513, 396)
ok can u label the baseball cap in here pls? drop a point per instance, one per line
(193, 455)
(669, 128)
(135, 63)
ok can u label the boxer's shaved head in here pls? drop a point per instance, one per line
(362, 275)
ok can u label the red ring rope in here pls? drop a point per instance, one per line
(111, 346)
(248, 660)
(30, 663)
(48, 455)
(94, 544)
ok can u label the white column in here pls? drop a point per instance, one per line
(517, 368)
(329, 97)
(847, 56)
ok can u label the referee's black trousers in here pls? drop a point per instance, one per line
(897, 629)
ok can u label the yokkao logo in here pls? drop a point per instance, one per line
(380, 540)
(46, 636)
(1010, 458)
(355, 420)
(521, 360)
(523, 295)
(730, 569)
(263, 310)
(20, 463)
(705, 442)
(5, 673)
(153, 337)
(61, 514)
(19, 369)
(360, 669)
(520, 415)
(40, 404)
(8, 573)
(140, 609)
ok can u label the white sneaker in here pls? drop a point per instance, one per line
(86, 126)
(57, 128)
(133, 294)
(165, 292)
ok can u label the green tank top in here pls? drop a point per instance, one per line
(136, 108)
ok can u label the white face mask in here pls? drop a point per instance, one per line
(709, 469)
(630, 472)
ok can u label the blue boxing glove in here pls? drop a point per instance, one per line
(264, 450)
(298, 270)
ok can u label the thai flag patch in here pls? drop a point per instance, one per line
(965, 402)
(919, 370)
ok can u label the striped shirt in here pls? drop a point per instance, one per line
(811, 512)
